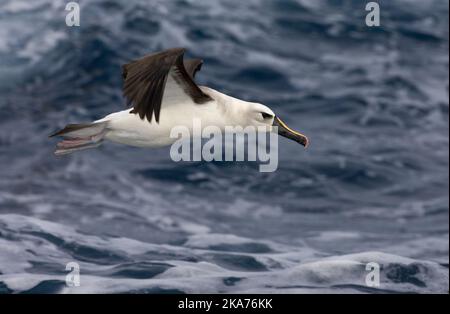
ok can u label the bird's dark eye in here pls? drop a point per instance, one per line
(266, 115)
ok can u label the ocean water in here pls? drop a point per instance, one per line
(372, 186)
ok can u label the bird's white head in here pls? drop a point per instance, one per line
(244, 113)
(255, 114)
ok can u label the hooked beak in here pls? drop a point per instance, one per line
(287, 132)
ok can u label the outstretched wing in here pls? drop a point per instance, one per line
(145, 81)
(192, 66)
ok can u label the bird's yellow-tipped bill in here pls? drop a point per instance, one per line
(287, 132)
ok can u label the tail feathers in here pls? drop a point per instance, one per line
(80, 136)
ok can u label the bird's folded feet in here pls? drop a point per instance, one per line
(71, 145)
(75, 142)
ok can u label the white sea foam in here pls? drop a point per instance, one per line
(288, 269)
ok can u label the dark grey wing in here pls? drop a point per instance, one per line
(145, 81)
(192, 66)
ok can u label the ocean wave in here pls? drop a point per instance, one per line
(38, 251)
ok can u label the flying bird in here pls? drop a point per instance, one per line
(161, 93)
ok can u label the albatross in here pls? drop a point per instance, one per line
(161, 93)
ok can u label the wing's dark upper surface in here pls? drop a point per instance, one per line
(192, 66)
(145, 80)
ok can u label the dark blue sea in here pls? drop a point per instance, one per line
(371, 188)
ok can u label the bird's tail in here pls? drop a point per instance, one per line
(80, 136)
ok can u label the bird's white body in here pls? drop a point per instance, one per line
(165, 96)
(126, 128)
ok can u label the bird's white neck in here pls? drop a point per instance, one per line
(232, 109)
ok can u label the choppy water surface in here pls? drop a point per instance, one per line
(372, 187)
